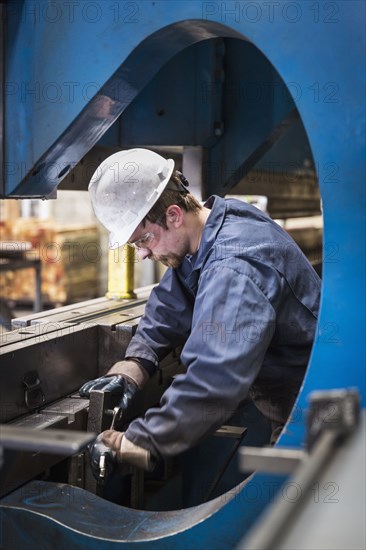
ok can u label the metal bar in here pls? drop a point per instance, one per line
(224, 467)
(230, 431)
(98, 421)
(276, 519)
(72, 407)
(270, 460)
(38, 290)
(71, 311)
(47, 441)
(12, 265)
(137, 488)
(26, 320)
(101, 312)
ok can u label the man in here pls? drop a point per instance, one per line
(239, 296)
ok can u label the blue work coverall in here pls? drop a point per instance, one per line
(245, 309)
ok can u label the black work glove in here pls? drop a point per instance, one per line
(114, 384)
(102, 460)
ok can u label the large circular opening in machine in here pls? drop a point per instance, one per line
(239, 135)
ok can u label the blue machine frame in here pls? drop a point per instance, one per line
(73, 67)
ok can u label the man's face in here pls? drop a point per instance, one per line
(155, 242)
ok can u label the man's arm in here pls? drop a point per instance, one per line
(164, 326)
(166, 323)
(232, 326)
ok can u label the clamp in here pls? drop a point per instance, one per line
(116, 417)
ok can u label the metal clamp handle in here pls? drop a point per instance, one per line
(33, 393)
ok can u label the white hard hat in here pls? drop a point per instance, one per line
(125, 187)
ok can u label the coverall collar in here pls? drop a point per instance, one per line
(213, 224)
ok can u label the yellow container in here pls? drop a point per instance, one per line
(121, 271)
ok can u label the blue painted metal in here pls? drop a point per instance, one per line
(88, 94)
(70, 517)
(254, 98)
(204, 97)
(176, 107)
(255, 102)
(305, 42)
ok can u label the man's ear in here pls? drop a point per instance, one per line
(174, 216)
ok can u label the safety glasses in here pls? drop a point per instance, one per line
(143, 242)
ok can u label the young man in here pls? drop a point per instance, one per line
(239, 296)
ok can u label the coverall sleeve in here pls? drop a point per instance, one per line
(233, 323)
(166, 322)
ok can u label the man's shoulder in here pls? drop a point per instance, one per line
(247, 224)
(246, 211)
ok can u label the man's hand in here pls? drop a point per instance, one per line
(112, 448)
(113, 384)
(102, 459)
(125, 377)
